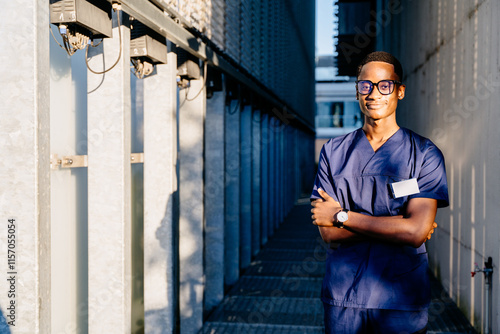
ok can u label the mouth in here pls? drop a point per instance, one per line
(375, 105)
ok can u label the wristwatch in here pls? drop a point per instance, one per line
(340, 218)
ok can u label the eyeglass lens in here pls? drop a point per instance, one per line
(385, 87)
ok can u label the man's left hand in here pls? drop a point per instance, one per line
(324, 209)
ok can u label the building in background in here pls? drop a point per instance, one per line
(337, 111)
(356, 33)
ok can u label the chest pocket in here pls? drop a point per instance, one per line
(375, 196)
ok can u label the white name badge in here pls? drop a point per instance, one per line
(404, 188)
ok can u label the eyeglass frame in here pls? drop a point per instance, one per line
(395, 82)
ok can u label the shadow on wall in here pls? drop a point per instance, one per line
(167, 237)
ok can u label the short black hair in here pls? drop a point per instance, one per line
(385, 57)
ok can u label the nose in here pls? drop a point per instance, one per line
(375, 93)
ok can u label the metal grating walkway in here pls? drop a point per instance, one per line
(279, 292)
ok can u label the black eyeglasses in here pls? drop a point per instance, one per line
(385, 87)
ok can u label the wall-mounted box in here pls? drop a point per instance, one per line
(147, 43)
(188, 66)
(91, 15)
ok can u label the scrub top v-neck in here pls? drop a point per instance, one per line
(373, 274)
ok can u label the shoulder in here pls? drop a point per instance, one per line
(421, 144)
(423, 147)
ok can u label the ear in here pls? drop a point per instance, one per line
(401, 91)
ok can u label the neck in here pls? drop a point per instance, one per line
(380, 130)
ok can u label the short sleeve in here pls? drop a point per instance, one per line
(323, 177)
(431, 180)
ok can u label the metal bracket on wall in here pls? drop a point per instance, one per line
(137, 158)
(68, 161)
(74, 161)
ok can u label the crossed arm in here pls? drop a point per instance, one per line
(413, 229)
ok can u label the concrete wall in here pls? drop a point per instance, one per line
(450, 51)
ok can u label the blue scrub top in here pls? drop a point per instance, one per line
(373, 274)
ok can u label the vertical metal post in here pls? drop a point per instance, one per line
(232, 193)
(192, 104)
(487, 283)
(287, 181)
(160, 188)
(281, 172)
(256, 181)
(272, 177)
(214, 200)
(296, 161)
(488, 273)
(246, 186)
(264, 168)
(277, 176)
(290, 168)
(25, 166)
(137, 203)
(109, 184)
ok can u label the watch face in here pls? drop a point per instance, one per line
(342, 216)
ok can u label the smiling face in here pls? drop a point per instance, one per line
(376, 106)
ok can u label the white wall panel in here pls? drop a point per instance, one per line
(160, 190)
(109, 185)
(232, 192)
(256, 180)
(191, 211)
(245, 186)
(265, 186)
(24, 166)
(214, 200)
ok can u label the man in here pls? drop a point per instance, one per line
(375, 199)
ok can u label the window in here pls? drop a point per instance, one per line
(338, 115)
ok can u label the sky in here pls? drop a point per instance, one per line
(324, 27)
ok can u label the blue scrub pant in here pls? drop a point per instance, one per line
(346, 320)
